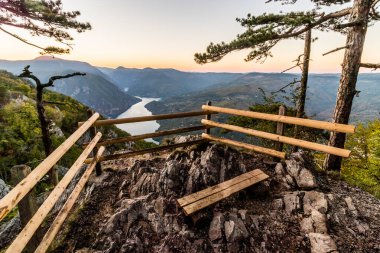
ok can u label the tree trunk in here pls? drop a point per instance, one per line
(350, 69)
(303, 86)
(44, 122)
(45, 133)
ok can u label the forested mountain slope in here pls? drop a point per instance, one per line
(95, 90)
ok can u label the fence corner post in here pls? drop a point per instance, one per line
(280, 128)
(208, 117)
(27, 207)
(98, 167)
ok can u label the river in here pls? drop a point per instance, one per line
(138, 110)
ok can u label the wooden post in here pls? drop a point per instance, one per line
(208, 117)
(280, 128)
(98, 167)
(27, 207)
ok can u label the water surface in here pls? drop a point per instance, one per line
(138, 110)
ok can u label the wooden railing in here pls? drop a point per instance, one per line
(151, 135)
(97, 146)
(29, 182)
(276, 137)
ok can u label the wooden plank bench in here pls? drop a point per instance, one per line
(201, 199)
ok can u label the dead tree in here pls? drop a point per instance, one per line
(301, 100)
(44, 122)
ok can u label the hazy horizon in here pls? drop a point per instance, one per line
(167, 33)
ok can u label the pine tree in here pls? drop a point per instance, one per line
(41, 18)
(263, 32)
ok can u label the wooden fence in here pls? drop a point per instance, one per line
(97, 147)
(12, 199)
(280, 119)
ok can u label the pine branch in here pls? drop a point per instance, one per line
(334, 50)
(265, 31)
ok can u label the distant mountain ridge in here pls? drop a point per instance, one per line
(245, 91)
(95, 90)
(149, 82)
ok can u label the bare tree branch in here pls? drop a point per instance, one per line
(350, 24)
(334, 50)
(54, 78)
(283, 88)
(53, 102)
(373, 66)
(298, 64)
(28, 74)
(21, 39)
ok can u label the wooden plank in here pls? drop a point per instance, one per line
(27, 207)
(63, 213)
(149, 118)
(27, 232)
(208, 117)
(246, 146)
(335, 127)
(93, 132)
(280, 128)
(146, 151)
(288, 140)
(150, 135)
(20, 190)
(216, 188)
(196, 206)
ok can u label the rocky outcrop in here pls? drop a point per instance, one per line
(134, 209)
(4, 189)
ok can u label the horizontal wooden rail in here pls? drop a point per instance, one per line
(21, 189)
(63, 213)
(146, 151)
(285, 119)
(105, 122)
(30, 228)
(150, 135)
(283, 139)
(246, 146)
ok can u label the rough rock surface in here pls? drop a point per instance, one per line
(133, 208)
(9, 231)
(4, 189)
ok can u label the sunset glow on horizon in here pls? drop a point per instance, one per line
(167, 33)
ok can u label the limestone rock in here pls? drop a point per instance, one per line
(321, 243)
(314, 200)
(9, 230)
(351, 206)
(292, 203)
(316, 223)
(215, 231)
(4, 189)
(303, 176)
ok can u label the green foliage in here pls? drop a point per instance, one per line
(362, 168)
(264, 31)
(20, 134)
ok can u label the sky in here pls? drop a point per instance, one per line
(167, 33)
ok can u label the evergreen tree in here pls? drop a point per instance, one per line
(263, 32)
(41, 18)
